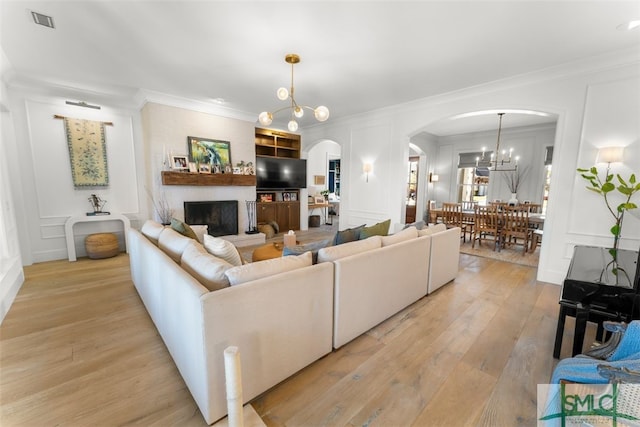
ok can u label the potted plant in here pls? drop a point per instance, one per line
(325, 194)
(605, 187)
(514, 180)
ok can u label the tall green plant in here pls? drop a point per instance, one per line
(604, 187)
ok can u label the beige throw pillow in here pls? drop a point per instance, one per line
(222, 249)
(204, 267)
(270, 267)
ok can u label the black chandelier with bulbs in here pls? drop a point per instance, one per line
(499, 161)
(321, 112)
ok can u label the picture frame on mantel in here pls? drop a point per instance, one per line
(179, 163)
(209, 151)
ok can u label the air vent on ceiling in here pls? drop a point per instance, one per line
(41, 19)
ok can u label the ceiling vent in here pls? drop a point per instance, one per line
(41, 19)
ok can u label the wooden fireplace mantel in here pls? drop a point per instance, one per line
(222, 179)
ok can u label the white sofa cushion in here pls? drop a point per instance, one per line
(400, 236)
(206, 268)
(258, 270)
(200, 231)
(173, 243)
(432, 229)
(151, 230)
(333, 253)
(222, 249)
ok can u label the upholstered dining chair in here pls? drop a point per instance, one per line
(515, 229)
(486, 225)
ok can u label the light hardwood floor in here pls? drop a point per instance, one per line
(78, 348)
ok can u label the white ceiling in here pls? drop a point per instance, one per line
(356, 56)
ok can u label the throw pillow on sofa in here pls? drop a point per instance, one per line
(258, 270)
(183, 228)
(312, 247)
(418, 225)
(379, 229)
(222, 249)
(348, 235)
(401, 236)
(204, 267)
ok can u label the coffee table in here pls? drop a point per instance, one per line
(268, 251)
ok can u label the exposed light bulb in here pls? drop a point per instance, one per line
(298, 112)
(321, 113)
(282, 93)
(293, 125)
(265, 118)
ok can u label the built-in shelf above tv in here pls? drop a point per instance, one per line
(222, 179)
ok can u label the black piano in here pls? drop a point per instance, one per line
(601, 284)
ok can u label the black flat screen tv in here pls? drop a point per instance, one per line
(280, 173)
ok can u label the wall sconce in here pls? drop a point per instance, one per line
(610, 155)
(433, 177)
(366, 168)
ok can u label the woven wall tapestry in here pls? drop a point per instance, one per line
(87, 152)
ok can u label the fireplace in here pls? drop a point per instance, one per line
(220, 216)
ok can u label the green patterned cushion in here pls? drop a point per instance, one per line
(183, 228)
(348, 235)
(380, 229)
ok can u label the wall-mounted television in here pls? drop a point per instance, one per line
(280, 173)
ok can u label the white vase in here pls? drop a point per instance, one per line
(514, 199)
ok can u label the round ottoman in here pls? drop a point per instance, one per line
(101, 245)
(267, 251)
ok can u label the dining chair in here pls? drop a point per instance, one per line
(516, 230)
(487, 224)
(452, 217)
(533, 207)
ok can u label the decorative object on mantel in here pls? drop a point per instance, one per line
(498, 159)
(514, 180)
(212, 152)
(97, 204)
(162, 207)
(297, 111)
(87, 151)
(251, 216)
(605, 187)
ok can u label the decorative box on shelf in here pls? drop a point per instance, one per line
(188, 178)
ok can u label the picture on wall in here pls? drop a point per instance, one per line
(209, 151)
(87, 152)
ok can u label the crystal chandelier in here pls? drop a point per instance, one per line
(499, 161)
(297, 111)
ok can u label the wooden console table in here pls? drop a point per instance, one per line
(68, 229)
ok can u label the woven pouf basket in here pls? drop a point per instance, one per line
(101, 245)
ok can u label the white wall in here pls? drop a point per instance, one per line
(166, 130)
(578, 93)
(11, 273)
(44, 174)
(318, 164)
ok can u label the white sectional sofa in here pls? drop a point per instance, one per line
(281, 319)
